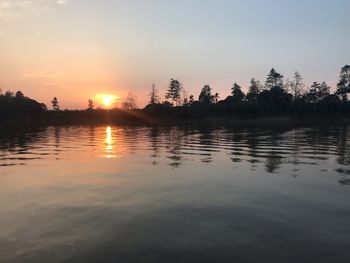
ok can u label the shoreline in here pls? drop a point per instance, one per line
(262, 122)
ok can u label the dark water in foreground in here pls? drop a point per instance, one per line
(113, 194)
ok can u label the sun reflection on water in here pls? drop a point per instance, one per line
(109, 144)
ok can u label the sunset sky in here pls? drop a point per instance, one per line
(77, 49)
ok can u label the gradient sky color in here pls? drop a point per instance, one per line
(75, 49)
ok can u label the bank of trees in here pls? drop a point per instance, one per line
(275, 97)
(16, 105)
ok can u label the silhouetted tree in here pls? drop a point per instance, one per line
(174, 91)
(286, 85)
(274, 98)
(253, 93)
(55, 105)
(19, 95)
(184, 97)
(205, 96)
(325, 91)
(297, 85)
(317, 92)
(9, 94)
(154, 98)
(90, 105)
(130, 102)
(274, 80)
(343, 86)
(185, 102)
(237, 94)
(216, 97)
(191, 100)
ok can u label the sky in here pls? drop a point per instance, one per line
(77, 49)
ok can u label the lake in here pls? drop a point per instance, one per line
(174, 194)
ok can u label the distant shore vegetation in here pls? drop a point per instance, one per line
(277, 96)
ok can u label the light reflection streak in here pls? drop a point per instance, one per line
(109, 143)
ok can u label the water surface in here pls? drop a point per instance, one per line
(174, 194)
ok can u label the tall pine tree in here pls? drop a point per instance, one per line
(174, 92)
(343, 86)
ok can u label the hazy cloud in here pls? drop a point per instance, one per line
(14, 9)
(61, 2)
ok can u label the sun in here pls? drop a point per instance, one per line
(107, 100)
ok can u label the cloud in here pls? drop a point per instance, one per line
(14, 9)
(61, 2)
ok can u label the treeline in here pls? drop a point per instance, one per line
(17, 106)
(277, 96)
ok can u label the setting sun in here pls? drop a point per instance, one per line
(107, 100)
